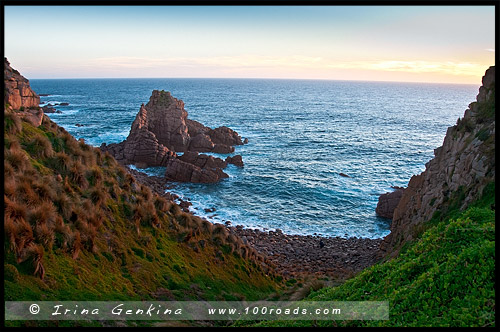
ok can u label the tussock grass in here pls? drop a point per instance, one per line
(44, 213)
(76, 218)
(39, 146)
(12, 123)
(17, 158)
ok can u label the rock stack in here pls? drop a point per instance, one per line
(161, 129)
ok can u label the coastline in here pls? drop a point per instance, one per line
(293, 256)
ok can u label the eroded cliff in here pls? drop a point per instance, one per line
(461, 169)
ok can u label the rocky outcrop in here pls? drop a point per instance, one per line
(178, 170)
(388, 202)
(17, 91)
(165, 117)
(235, 160)
(460, 170)
(202, 160)
(18, 96)
(161, 128)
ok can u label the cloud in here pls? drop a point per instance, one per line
(294, 66)
(241, 61)
(446, 67)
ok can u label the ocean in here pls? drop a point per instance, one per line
(302, 134)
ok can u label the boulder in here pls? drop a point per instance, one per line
(178, 170)
(203, 160)
(235, 160)
(388, 202)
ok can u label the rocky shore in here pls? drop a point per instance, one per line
(299, 255)
(293, 256)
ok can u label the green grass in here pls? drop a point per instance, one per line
(445, 278)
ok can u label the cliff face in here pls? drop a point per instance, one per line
(19, 96)
(457, 175)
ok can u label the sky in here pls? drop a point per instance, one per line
(439, 44)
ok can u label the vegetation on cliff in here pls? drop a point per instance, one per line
(445, 278)
(79, 227)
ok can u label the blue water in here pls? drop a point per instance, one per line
(302, 134)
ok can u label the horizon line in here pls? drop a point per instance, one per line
(250, 78)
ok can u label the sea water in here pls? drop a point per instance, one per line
(301, 135)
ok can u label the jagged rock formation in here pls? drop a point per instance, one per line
(388, 202)
(19, 96)
(460, 170)
(161, 128)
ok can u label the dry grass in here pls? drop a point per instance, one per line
(77, 175)
(17, 158)
(94, 176)
(44, 213)
(309, 286)
(45, 235)
(61, 162)
(35, 253)
(45, 189)
(39, 146)
(64, 205)
(13, 209)
(9, 185)
(12, 123)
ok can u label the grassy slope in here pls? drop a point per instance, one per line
(444, 278)
(76, 218)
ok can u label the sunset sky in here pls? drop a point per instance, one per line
(452, 44)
